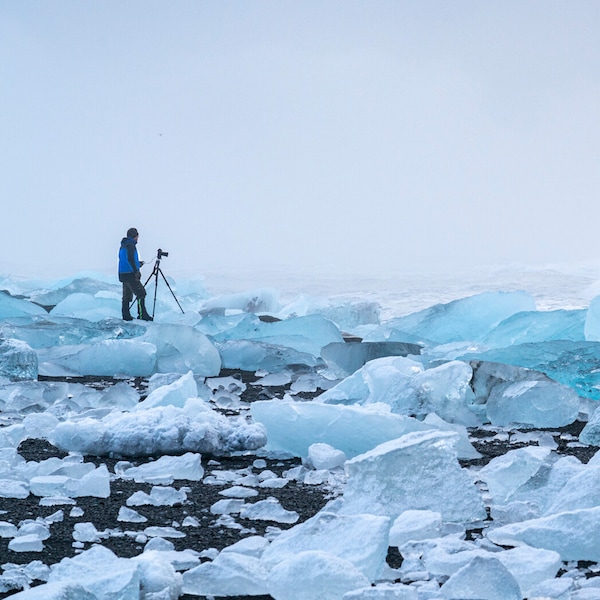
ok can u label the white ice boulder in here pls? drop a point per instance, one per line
(324, 456)
(530, 566)
(505, 474)
(101, 573)
(324, 576)
(415, 525)
(60, 590)
(360, 539)
(482, 577)
(164, 470)
(159, 430)
(418, 471)
(174, 394)
(229, 574)
(293, 427)
(575, 535)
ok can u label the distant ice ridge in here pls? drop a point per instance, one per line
(384, 434)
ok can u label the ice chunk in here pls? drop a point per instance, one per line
(581, 491)
(17, 307)
(92, 307)
(360, 539)
(417, 471)
(60, 590)
(95, 483)
(345, 358)
(324, 576)
(17, 360)
(250, 355)
(180, 348)
(384, 591)
(12, 488)
(175, 394)
(130, 516)
(505, 474)
(230, 574)
(466, 319)
(100, 572)
(304, 334)
(86, 532)
(166, 469)
(262, 300)
(293, 427)
(254, 545)
(483, 577)
(324, 456)
(159, 580)
(409, 389)
(530, 566)
(592, 321)
(533, 403)
(26, 543)
(269, 510)
(590, 434)
(160, 430)
(538, 326)
(159, 496)
(105, 358)
(415, 525)
(575, 535)
(571, 363)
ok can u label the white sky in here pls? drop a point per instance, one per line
(350, 136)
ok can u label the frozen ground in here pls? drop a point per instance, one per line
(253, 442)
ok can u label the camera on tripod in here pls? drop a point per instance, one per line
(161, 253)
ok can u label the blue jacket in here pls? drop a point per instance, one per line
(128, 256)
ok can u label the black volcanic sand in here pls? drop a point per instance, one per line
(306, 500)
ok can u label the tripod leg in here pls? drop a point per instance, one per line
(172, 293)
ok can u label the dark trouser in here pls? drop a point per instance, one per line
(132, 285)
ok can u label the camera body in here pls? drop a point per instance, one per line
(161, 253)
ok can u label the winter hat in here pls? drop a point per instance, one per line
(132, 232)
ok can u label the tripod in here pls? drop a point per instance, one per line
(156, 271)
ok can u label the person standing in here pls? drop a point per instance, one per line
(130, 276)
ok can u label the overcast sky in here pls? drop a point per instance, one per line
(351, 136)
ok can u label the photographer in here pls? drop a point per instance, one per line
(129, 276)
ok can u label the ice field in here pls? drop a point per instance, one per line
(399, 378)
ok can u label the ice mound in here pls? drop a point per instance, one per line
(418, 471)
(159, 430)
(88, 306)
(264, 300)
